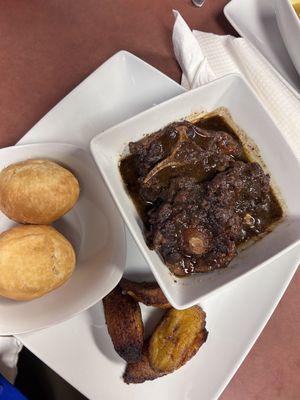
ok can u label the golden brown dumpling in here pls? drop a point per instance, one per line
(34, 260)
(37, 191)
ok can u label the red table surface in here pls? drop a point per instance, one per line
(48, 47)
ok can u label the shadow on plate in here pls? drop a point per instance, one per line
(151, 317)
(140, 276)
(69, 226)
(100, 333)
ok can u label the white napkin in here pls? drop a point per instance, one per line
(189, 55)
(205, 56)
(10, 348)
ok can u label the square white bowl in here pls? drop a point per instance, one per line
(249, 113)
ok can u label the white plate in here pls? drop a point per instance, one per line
(80, 350)
(255, 20)
(233, 93)
(95, 229)
(289, 26)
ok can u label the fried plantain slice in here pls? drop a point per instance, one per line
(177, 339)
(148, 293)
(124, 323)
(141, 370)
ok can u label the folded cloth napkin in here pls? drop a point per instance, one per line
(205, 56)
(10, 348)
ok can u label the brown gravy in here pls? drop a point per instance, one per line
(148, 202)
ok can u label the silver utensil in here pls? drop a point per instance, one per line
(198, 3)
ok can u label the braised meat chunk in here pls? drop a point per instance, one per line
(181, 149)
(198, 194)
(197, 227)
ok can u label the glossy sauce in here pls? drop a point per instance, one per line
(130, 175)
